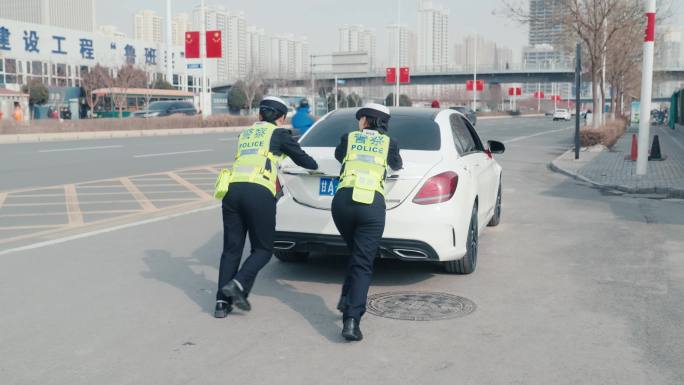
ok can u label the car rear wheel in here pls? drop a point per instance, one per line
(291, 256)
(497, 210)
(466, 265)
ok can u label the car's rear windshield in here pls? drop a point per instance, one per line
(412, 132)
(159, 106)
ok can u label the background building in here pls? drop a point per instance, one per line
(433, 37)
(258, 44)
(69, 14)
(111, 31)
(357, 38)
(180, 24)
(147, 26)
(407, 46)
(490, 56)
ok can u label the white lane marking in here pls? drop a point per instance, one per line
(537, 134)
(80, 148)
(172, 153)
(104, 231)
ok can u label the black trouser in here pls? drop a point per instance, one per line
(361, 226)
(247, 208)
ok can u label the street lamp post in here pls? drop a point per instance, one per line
(646, 90)
(398, 63)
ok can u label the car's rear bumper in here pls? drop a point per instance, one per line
(404, 249)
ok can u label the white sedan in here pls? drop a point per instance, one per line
(561, 114)
(448, 191)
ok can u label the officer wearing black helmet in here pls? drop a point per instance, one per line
(249, 206)
(358, 208)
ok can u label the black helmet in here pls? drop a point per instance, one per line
(275, 104)
(303, 103)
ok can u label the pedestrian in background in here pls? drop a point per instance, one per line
(358, 208)
(18, 113)
(302, 119)
(249, 206)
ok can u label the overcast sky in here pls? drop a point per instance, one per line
(319, 20)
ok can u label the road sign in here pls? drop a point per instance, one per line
(194, 66)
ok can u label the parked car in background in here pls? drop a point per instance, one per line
(166, 108)
(437, 205)
(467, 112)
(561, 114)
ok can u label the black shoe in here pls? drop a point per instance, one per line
(342, 304)
(222, 309)
(232, 290)
(351, 330)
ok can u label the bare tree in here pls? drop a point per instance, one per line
(127, 77)
(97, 77)
(252, 86)
(604, 27)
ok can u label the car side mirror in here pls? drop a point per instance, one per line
(496, 147)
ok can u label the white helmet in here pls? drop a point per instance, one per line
(374, 110)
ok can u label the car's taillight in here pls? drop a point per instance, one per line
(279, 187)
(439, 188)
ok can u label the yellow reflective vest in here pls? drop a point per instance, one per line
(365, 165)
(254, 162)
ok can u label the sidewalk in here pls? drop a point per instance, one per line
(609, 169)
(63, 136)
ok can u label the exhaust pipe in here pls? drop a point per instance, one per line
(284, 245)
(410, 253)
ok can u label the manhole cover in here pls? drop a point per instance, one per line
(419, 306)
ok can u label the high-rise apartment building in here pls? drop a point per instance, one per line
(69, 14)
(147, 26)
(433, 36)
(357, 38)
(258, 47)
(235, 44)
(490, 56)
(180, 24)
(407, 46)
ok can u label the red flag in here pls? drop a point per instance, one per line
(650, 27)
(192, 45)
(391, 75)
(213, 44)
(518, 91)
(511, 91)
(539, 94)
(404, 75)
(480, 85)
(470, 85)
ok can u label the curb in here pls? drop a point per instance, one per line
(667, 192)
(64, 136)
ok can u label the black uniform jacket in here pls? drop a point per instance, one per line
(282, 143)
(393, 158)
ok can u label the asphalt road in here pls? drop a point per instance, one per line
(574, 286)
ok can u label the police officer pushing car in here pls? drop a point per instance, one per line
(249, 205)
(358, 207)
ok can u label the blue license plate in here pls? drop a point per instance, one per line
(328, 186)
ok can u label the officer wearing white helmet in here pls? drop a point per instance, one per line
(249, 206)
(358, 208)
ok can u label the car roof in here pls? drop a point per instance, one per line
(417, 112)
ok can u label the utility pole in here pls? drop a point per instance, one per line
(475, 74)
(203, 53)
(169, 55)
(578, 79)
(313, 85)
(603, 70)
(538, 97)
(646, 89)
(398, 64)
(336, 91)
